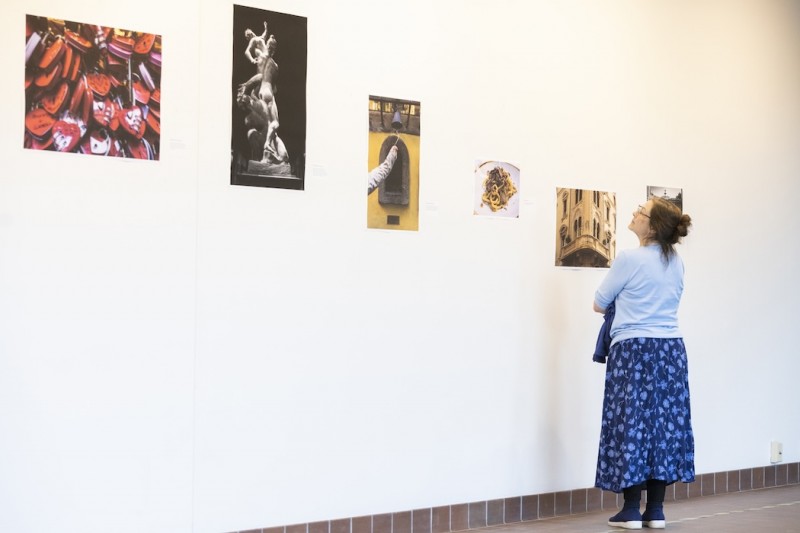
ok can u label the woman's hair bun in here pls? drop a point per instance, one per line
(682, 229)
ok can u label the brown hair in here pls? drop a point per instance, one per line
(669, 225)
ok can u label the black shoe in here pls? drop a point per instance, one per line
(627, 519)
(654, 519)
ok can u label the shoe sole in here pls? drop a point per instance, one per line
(655, 524)
(630, 524)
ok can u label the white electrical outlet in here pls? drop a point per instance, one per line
(776, 452)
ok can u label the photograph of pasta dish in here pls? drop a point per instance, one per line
(496, 189)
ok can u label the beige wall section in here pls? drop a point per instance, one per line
(177, 354)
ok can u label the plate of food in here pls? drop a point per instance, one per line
(496, 189)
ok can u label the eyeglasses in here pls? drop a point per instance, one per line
(640, 211)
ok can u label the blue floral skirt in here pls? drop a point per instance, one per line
(646, 431)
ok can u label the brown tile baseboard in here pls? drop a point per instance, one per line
(476, 515)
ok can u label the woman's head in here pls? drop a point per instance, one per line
(667, 224)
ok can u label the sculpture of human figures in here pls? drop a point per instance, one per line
(257, 121)
(255, 42)
(274, 150)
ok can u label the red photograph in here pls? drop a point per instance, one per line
(92, 89)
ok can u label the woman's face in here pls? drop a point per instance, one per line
(640, 223)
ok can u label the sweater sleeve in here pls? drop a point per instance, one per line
(616, 278)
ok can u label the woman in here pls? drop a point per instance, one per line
(646, 438)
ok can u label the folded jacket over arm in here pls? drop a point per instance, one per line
(604, 338)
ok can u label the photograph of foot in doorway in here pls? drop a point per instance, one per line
(268, 130)
(646, 438)
(393, 164)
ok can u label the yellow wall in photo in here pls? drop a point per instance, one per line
(378, 214)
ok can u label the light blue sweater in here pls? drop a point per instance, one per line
(647, 292)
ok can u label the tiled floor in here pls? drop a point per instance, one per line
(774, 510)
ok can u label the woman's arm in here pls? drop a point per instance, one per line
(616, 279)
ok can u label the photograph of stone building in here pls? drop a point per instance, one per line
(586, 228)
(670, 194)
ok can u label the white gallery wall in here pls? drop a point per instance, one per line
(178, 354)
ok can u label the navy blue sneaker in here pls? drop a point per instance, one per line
(627, 519)
(654, 518)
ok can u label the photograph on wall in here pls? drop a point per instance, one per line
(586, 228)
(393, 164)
(268, 99)
(92, 89)
(496, 189)
(671, 194)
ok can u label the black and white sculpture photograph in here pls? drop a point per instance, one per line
(268, 94)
